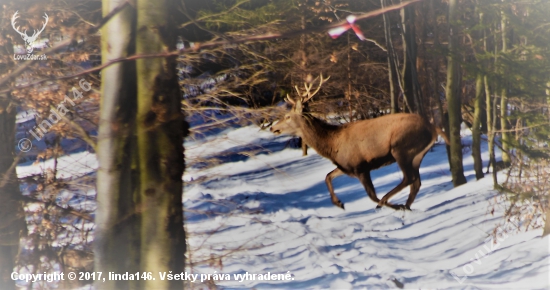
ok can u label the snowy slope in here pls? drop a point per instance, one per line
(272, 213)
(269, 211)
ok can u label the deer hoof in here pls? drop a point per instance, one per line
(402, 207)
(396, 206)
(378, 207)
(339, 204)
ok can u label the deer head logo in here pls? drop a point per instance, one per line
(28, 39)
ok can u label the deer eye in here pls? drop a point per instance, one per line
(287, 117)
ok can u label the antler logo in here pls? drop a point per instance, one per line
(28, 39)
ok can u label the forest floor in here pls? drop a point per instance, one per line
(265, 209)
(270, 212)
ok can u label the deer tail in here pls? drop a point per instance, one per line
(442, 134)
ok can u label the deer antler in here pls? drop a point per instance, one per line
(310, 95)
(305, 96)
(289, 100)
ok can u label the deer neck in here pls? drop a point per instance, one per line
(318, 134)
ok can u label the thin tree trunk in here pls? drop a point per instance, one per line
(491, 121)
(348, 94)
(453, 97)
(546, 230)
(303, 67)
(161, 127)
(444, 121)
(409, 58)
(476, 128)
(491, 115)
(505, 139)
(547, 223)
(478, 108)
(392, 71)
(496, 166)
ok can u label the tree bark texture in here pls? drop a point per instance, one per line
(117, 237)
(140, 148)
(161, 127)
(392, 69)
(12, 215)
(453, 97)
(476, 128)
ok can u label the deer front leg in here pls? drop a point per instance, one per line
(328, 180)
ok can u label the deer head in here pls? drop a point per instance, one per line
(286, 125)
(28, 39)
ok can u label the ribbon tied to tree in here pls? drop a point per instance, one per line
(337, 31)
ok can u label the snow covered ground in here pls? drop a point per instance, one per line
(269, 211)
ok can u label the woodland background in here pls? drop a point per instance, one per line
(164, 71)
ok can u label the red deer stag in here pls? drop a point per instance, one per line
(356, 148)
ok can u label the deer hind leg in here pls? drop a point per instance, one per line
(369, 187)
(328, 180)
(415, 186)
(408, 178)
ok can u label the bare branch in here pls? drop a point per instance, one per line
(20, 69)
(83, 134)
(67, 210)
(207, 44)
(7, 174)
(214, 15)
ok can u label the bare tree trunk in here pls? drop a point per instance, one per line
(140, 149)
(478, 109)
(12, 215)
(491, 121)
(453, 97)
(409, 58)
(411, 85)
(491, 115)
(444, 121)
(303, 67)
(161, 127)
(117, 235)
(476, 128)
(547, 223)
(392, 70)
(348, 94)
(505, 139)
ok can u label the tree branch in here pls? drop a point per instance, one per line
(214, 15)
(7, 174)
(67, 210)
(94, 69)
(208, 44)
(20, 69)
(83, 134)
